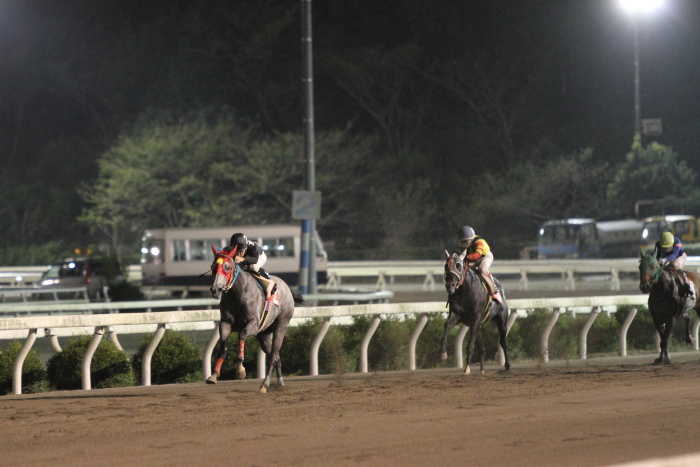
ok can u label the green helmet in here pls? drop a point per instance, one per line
(666, 240)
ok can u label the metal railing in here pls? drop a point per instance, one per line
(384, 274)
(31, 327)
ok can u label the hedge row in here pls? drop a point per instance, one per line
(178, 360)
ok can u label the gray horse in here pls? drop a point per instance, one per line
(470, 305)
(243, 311)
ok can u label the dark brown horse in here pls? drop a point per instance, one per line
(471, 305)
(666, 302)
(242, 310)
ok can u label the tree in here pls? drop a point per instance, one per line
(539, 188)
(653, 173)
(207, 171)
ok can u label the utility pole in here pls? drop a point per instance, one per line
(307, 268)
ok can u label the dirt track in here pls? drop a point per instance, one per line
(581, 414)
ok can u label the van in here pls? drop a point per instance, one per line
(77, 272)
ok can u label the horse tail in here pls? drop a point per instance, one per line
(298, 298)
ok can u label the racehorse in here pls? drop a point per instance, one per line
(242, 309)
(666, 302)
(470, 304)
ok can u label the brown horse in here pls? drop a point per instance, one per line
(471, 305)
(243, 311)
(666, 300)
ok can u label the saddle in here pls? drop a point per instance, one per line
(682, 282)
(490, 286)
(274, 299)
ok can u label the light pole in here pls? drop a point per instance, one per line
(636, 8)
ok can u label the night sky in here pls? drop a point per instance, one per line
(75, 73)
(591, 43)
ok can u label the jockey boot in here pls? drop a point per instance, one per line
(687, 290)
(263, 273)
(493, 291)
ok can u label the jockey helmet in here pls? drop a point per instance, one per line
(239, 240)
(666, 240)
(466, 233)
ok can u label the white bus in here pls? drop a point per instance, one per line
(177, 257)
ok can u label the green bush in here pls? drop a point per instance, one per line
(33, 372)
(110, 367)
(176, 360)
(123, 291)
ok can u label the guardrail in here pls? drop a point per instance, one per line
(525, 272)
(206, 319)
(385, 273)
(31, 294)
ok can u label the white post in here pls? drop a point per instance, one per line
(148, 355)
(623, 331)
(459, 345)
(316, 344)
(583, 337)
(87, 360)
(262, 371)
(412, 344)
(19, 362)
(365, 344)
(208, 350)
(544, 341)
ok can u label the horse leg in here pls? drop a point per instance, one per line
(451, 321)
(275, 362)
(688, 337)
(224, 333)
(482, 349)
(664, 331)
(470, 348)
(502, 330)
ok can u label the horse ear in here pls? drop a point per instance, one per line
(447, 255)
(215, 250)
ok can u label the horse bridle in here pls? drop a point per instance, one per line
(462, 276)
(221, 258)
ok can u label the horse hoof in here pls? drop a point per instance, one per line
(443, 356)
(211, 379)
(482, 372)
(467, 370)
(263, 389)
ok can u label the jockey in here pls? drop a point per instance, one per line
(252, 257)
(669, 249)
(477, 251)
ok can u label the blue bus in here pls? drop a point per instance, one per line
(582, 238)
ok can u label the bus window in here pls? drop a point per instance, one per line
(179, 252)
(680, 228)
(278, 247)
(200, 250)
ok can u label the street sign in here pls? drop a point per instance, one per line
(306, 205)
(651, 126)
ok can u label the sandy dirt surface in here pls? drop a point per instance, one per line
(583, 413)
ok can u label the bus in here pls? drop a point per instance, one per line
(179, 256)
(683, 226)
(582, 238)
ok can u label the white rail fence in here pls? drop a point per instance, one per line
(31, 327)
(525, 272)
(384, 274)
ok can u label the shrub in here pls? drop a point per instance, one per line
(110, 367)
(33, 372)
(176, 360)
(123, 291)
